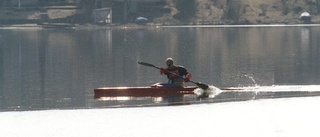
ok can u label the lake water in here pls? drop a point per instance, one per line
(59, 69)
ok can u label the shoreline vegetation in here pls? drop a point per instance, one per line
(134, 26)
(219, 13)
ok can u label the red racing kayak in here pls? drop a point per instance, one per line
(152, 91)
(274, 91)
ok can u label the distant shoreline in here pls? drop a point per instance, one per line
(134, 26)
(244, 26)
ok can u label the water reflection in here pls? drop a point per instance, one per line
(305, 37)
(128, 101)
(60, 68)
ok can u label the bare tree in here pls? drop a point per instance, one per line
(318, 5)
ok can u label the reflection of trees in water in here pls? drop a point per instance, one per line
(57, 65)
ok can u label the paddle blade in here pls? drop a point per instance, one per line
(202, 86)
(146, 64)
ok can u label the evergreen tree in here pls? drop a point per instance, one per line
(186, 8)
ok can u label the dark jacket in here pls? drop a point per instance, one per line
(173, 79)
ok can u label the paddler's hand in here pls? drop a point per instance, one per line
(187, 78)
(163, 71)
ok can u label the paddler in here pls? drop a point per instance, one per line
(177, 75)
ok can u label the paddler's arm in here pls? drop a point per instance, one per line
(163, 71)
(184, 72)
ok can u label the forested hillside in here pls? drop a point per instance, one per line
(166, 12)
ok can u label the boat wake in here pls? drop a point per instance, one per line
(211, 92)
(258, 92)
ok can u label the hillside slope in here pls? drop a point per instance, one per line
(254, 11)
(207, 12)
(247, 12)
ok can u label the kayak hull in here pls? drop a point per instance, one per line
(274, 91)
(143, 91)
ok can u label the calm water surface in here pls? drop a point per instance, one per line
(59, 69)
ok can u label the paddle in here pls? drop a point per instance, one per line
(199, 84)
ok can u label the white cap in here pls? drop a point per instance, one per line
(169, 61)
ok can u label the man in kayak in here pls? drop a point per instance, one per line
(175, 74)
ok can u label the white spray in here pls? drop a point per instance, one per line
(211, 92)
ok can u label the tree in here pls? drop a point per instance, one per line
(318, 5)
(186, 8)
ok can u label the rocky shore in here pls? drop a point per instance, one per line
(208, 12)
